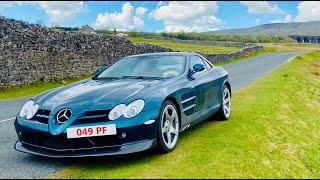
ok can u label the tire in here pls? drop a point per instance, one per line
(168, 128)
(225, 109)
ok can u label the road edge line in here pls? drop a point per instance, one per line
(5, 120)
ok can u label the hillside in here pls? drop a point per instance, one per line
(311, 28)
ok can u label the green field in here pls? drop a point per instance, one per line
(187, 47)
(274, 47)
(273, 132)
(291, 46)
(209, 37)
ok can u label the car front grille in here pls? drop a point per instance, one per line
(93, 116)
(41, 116)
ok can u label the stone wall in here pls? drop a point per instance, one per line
(215, 58)
(213, 43)
(29, 52)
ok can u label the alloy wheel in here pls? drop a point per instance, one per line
(226, 102)
(170, 126)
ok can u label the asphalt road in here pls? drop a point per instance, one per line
(18, 165)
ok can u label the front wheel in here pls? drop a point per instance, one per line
(168, 127)
(225, 108)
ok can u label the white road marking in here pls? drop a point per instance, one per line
(289, 60)
(10, 119)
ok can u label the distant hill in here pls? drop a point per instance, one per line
(311, 28)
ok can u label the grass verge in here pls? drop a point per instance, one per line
(274, 47)
(186, 47)
(281, 47)
(273, 132)
(10, 92)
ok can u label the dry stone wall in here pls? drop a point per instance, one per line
(29, 52)
(213, 43)
(215, 58)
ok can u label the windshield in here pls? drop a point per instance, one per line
(146, 66)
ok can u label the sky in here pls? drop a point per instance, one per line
(160, 16)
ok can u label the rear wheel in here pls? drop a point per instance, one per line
(168, 128)
(225, 109)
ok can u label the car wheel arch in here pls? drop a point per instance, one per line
(228, 85)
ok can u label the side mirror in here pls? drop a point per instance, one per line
(196, 68)
(99, 70)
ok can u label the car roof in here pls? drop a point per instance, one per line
(166, 54)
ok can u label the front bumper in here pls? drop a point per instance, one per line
(85, 152)
(132, 136)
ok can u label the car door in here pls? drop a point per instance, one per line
(199, 83)
(214, 85)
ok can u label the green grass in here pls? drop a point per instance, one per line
(281, 47)
(274, 47)
(186, 47)
(10, 92)
(273, 132)
(209, 37)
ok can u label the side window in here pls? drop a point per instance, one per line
(207, 64)
(197, 60)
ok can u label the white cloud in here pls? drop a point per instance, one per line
(188, 16)
(141, 11)
(127, 19)
(286, 19)
(62, 12)
(308, 11)
(276, 21)
(204, 23)
(160, 3)
(6, 4)
(59, 12)
(262, 7)
(257, 21)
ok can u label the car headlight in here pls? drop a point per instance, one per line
(116, 112)
(134, 108)
(129, 111)
(29, 109)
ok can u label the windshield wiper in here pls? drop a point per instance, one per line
(142, 77)
(98, 78)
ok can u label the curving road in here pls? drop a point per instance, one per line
(18, 165)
